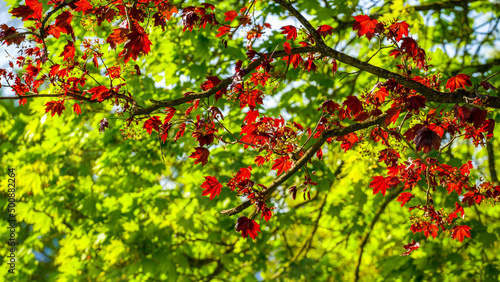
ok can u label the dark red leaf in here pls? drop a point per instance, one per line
(324, 30)
(103, 124)
(379, 185)
(410, 247)
(399, 29)
(200, 155)
(290, 31)
(426, 139)
(247, 227)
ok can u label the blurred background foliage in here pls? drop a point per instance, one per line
(109, 207)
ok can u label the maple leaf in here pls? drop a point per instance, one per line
(353, 105)
(334, 66)
(404, 198)
(426, 139)
(399, 29)
(409, 46)
(310, 66)
(287, 48)
(487, 86)
(36, 7)
(170, 114)
(267, 214)
(23, 11)
(290, 31)
(103, 124)
(379, 185)
(364, 25)
(223, 30)
(465, 168)
(251, 116)
(211, 82)
(180, 133)
(118, 36)
(282, 164)
(82, 6)
(244, 173)
(381, 94)
(247, 227)
(459, 81)
(324, 30)
(200, 155)
(460, 232)
(296, 60)
(76, 109)
(100, 93)
(230, 15)
(212, 187)
(54, 107)
(410, 247)
(152, 123)
(63, 21)
(138, 43)
(69, 51)
(260, 160)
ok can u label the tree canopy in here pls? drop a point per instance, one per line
(249, 140)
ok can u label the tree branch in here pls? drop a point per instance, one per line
(307, 156)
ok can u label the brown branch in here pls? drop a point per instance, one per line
(74, 96)
(307, 156)
(442, 5)
(491, 162)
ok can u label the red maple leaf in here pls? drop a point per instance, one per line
(152, 123)
(399, 29)
(54, 107)
(212, 187)
(334, 66)
(247, 227)
(459, 232)
(223, 30)
(138, 43)
(410, 247)
(100, 93)
(230, 15)
(63, 21)
(180, 133)
(287, 48)
(82, 6)
(36, 7)
(325, 29)
(379, 185)
(459, 81)
(290, 31)
(69, 51)
(353, 105)
(244, 173)
(364, 25)
(296, 60)
(77, 109)
(170, 114)
(282, 164)
(409, 46)
(260, 160)
(200, 155)
(211, 82)
(426, 139)
(404, 198)
(251, 116)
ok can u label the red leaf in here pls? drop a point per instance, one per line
(223, 30)
(152, 123)
(244, 173)
(379, 185)
(290, 31)
(103, 124)
(404, 198)
(364, 25)
(381, 94)
(118, 36)
(23, 11)
(486, 85)
(287, 48)
(459, 232)
(325, 29)
(334, 66)
(399, 29)
(100, 92)
(82, 6)
(138, 43)
(409, 46)
(247, 227)
(230, 15)
(353, 105)
(465, 168)
(76, 109)
(180, 133)
(251, 116)
(170, 114)
(36, 7)
(200, 155)
(260, 160)
(410, 247)
(54, 107)
(69, 51)
(212, 187)
(459, 81)
(427, 139)
(211, 82)
(282, 164)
